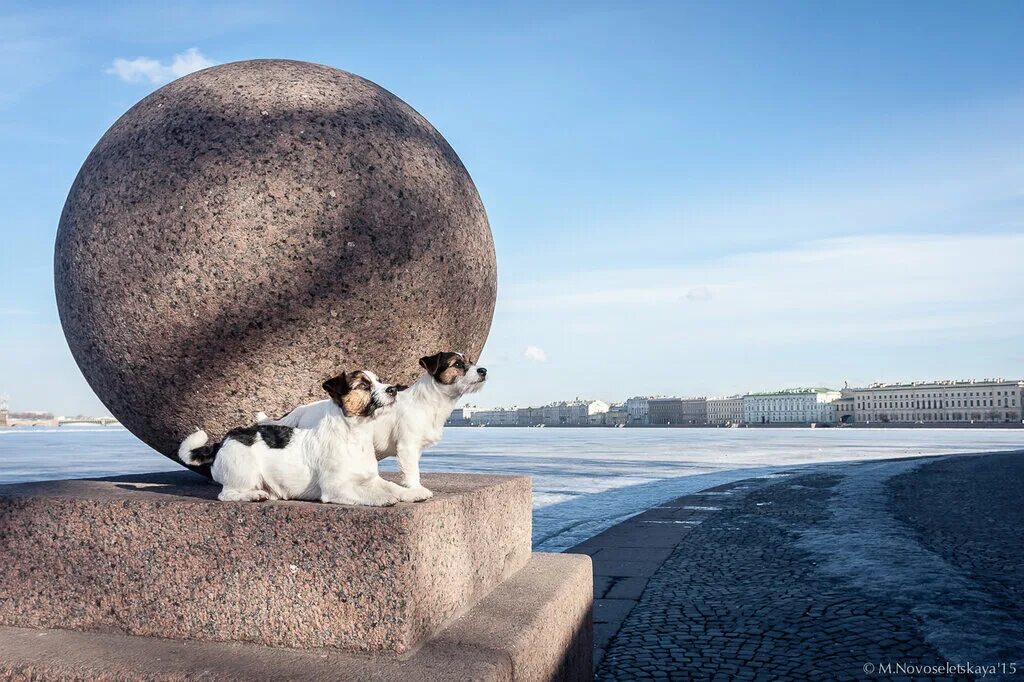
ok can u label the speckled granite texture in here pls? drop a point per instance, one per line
(534, 627)
(247, 231)
(157, 555)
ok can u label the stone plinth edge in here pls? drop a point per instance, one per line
(535, 626)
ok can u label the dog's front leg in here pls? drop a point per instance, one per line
(409, 463)
(369, 492)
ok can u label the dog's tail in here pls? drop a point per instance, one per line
(195, 451)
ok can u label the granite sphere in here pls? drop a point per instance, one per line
(247, 231)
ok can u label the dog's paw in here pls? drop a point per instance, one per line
(379, 500)
(419, 493)
(227, 495)
(362, 499)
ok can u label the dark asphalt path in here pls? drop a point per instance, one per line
(824, 574)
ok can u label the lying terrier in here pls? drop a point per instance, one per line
(331, 460)
(417, 420)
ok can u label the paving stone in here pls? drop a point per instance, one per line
(739, 598)
(626, 588)
(625, 569)
(602, 583)
(651, 536)
(655, 554)
(612, 610)
(603, 632)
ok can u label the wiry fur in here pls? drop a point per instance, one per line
(417, 420)
(332, 461)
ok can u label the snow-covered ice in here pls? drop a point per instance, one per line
(587, 480)
(584, 480)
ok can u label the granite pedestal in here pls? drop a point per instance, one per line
(151, 577)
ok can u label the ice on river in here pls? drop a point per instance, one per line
(584, 480)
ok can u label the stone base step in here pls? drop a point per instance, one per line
(536, 625)
(156, 555)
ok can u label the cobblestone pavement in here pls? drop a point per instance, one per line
(824, 574)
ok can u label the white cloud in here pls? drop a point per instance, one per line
(904, 288)
(535, 354)
(144, 69)
(701, 293)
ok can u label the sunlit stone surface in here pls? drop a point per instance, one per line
(248, 230)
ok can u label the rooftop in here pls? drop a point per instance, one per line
(948, 382)
(795, 391)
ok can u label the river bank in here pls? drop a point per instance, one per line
(825, 571)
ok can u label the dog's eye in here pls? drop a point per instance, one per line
(364, 386)
(460, 364)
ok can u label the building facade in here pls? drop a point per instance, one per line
(461, 416)
(678, 411)
(665, 411)
(531, 416)
(844, 406)
(573, 413)
(790, 406)
(725, 411)
(695, 411)
(637, 410)
(958, 402)
(496, 416)
(617, 415)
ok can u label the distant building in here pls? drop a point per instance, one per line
(844, 406)
(980, 400)
(678, 411)
(637, 409)
(725, 411)
(665, 411)
(790, 406)
(695, 411)
(531, 416)
(3, 413)
(573, 413)
(31, 414)
(498, 416)
(617, 415)
(461, 416)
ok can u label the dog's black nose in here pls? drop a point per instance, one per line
(482, 371)
(391, 390)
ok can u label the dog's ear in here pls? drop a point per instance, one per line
(337, 386)
(431, 363)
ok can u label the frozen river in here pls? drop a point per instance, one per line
(584, 480)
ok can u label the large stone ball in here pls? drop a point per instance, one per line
(249, 230)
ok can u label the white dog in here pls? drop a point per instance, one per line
(333, 461)
(417, 420)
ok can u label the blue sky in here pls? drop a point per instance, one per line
(689, 198)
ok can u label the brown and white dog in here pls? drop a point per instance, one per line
(417, 420)
(331, 461)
